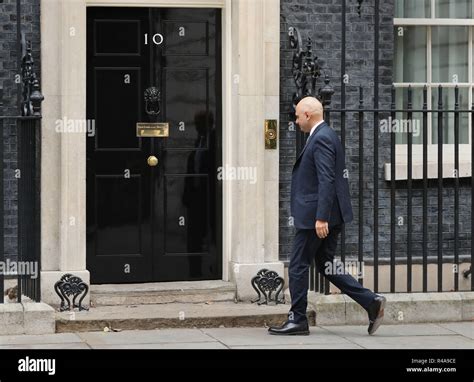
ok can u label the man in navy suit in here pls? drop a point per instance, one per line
(320, 205)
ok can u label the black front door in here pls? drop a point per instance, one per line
(153, 204)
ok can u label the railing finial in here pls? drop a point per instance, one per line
(31, 94)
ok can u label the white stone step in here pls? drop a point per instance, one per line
(176, 315)
(162, 293)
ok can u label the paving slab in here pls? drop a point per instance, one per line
(260, 337)
(38, 339)
(73, 345)
(350, 331)
(457, 335)
(465, 329)
(306, 346)
(414, 342)
(145, 337)
(184, 345)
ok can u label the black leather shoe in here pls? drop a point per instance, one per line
(376, 311)
(290, 328)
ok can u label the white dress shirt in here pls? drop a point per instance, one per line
(314, 127)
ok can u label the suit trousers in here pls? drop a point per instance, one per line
(307, 246)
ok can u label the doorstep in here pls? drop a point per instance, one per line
(162, 293)
(175, 315)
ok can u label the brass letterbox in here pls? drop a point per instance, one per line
(152, 130)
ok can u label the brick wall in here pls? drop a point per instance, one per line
(8, 88)
(321, 19)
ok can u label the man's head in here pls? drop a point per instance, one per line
(309, 111)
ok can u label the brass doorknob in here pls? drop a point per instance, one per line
(152, 161)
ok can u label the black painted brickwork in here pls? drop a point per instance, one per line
(8, 96)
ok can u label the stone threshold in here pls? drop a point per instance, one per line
(165, 316)
(162, 293)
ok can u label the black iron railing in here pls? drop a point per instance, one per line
(29, 225)
(26, 267)
(447, 250)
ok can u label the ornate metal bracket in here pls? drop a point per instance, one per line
(70, 285)
(31, 95)
(306, 69)
(265, 283)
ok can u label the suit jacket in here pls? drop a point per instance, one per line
(319, 190)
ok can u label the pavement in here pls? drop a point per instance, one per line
(455, 335)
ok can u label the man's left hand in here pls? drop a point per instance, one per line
(322, 229)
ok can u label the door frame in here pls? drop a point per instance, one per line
(250, 94)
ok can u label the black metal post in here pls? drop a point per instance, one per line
(37, 203)
(440, 189)
(361, 179)
(392, 195)
(456, 189)
(343, 106)
(23, 190)
(425, 190)
(409, 188)
(376, 147)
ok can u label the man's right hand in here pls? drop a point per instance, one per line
(322, 229)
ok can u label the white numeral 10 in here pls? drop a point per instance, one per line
(157, 39)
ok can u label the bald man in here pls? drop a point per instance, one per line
(320, 205)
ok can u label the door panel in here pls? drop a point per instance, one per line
(158, 223)
(115, 131)
(117, 37)
(186, 90)
(120, 232)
